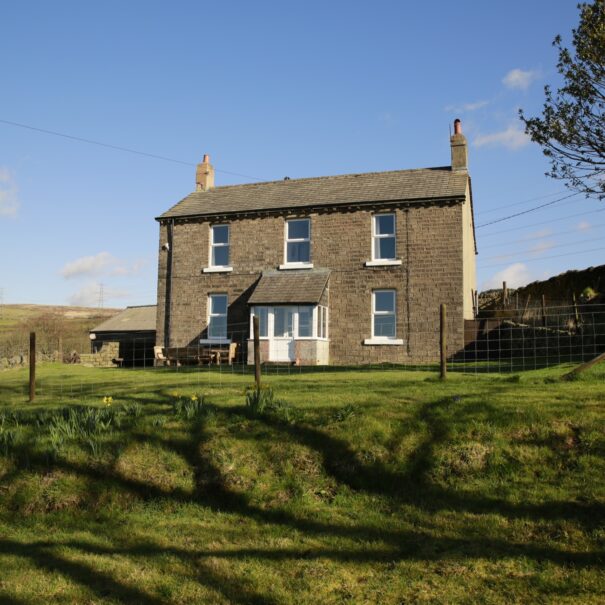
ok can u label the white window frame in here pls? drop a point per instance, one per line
(383, 340)
(317, 314)
(315, 319)
(296, 265)
(212, 268)
(210, 315)
(381, 262)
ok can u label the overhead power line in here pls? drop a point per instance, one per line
(576, 231)
(536, 251)
(541, 223)
(118, 147)
(532, 199)
(533, 260)
(510, 216)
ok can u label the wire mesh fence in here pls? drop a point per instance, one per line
(506, 340)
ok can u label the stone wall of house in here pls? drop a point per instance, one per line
(429, 244)
(102, 358)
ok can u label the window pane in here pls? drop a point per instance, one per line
(384, 300)
(385, 224)
(384, 325)
(220, 234)
(217, 327)
(298, 229)
(305, 321)
(324, 315)
(298, 252)
(385, 247)
(262, 313)
(283, 321)
(218, 304)
(220, 256)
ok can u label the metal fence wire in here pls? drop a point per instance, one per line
(507, 340)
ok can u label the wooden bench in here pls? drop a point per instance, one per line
(226, 354)
(206, 353)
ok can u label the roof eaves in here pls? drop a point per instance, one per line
(280, 209)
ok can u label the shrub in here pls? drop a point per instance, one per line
(194, 406)
(344, 413)
(261, 402)
(587, 294)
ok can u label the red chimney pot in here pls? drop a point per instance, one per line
(206, 159)
(457, 126)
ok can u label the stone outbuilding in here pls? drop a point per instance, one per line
(126, 339)
(346, 269)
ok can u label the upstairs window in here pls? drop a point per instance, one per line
(219, 246)
(383, 314)
(383, 237)
(217, 316)
(298, 242)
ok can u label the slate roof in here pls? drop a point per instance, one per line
(131, 319)
(290, 287)
(420, 185)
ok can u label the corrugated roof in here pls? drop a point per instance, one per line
(131, 319)
(290, 287)
(422, 184)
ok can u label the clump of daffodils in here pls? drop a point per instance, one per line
(107, 400)
(194, 398)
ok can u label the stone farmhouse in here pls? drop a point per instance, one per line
(346, 269)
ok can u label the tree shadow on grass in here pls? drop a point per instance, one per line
(211, 490)
(413, 485)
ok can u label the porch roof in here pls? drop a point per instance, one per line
(290, 287)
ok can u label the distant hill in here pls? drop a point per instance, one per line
(55, 325)
(13, 315)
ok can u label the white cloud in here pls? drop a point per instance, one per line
(519, 78)
(512, 138)
(90, 295)
(102, 263)
(541, 247)
(537, 234)
(515, 276)
(387, 118)
(583, 226)
(9, 198)
(88, 266)
(466, 107)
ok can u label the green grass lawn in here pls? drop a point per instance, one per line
(365, 487)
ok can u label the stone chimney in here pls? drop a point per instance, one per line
(204, 175)
(459, 148)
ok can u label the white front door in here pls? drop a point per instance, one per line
(281, 339)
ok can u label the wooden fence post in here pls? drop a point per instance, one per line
(504, 295)
(543, 310)
(576, 312)
(443, 342)
(32, 366)
(256, 328)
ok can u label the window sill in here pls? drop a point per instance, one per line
(291, 266)
(384, 341)
(215, 341)
(383, 263)
(217, 269)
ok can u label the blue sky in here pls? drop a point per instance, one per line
(268, 89)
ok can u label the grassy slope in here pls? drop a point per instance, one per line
(478, 490)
